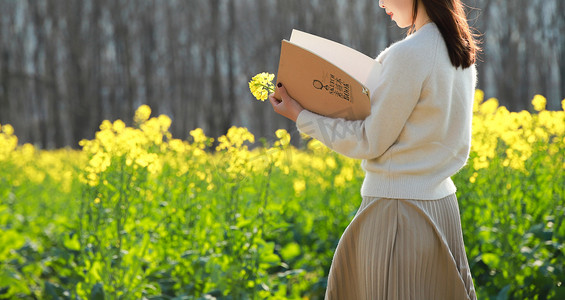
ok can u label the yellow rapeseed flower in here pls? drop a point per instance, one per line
(200, 140)
(118, 126)
(331, 163)
(539, 102)
(479, 97)
(235, 137)
(8, 141)
(142, 114)
(8, 129)
(106, 125)
(284, 137)
(345, 176)
(164, 122)
(261, 85)
(299, 186)
(473, 178)
(177, 145)
(489, 107)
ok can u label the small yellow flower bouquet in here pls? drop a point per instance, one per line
(261, 85)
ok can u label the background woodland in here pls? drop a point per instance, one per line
(66, 65)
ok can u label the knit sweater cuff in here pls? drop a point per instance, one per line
(309, 123)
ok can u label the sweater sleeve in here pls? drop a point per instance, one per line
(404, 72)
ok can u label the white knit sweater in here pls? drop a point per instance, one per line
(419, 131)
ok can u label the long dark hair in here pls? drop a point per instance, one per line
(451, 21)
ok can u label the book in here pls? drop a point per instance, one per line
(326, 77)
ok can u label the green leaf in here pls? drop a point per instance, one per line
(290, 251)
(97, 292)
(9, 277)
(72, 243)
(559, 292)
(503, 294)
(11, 239)
(490, 259)
(53, 291)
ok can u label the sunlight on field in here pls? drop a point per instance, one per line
(137, 213)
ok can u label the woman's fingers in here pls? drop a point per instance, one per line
(286, 106)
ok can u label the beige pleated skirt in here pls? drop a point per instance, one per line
(398, 249)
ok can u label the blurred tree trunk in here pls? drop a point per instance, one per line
(229, 107)
(6, 107)
(75, 73)
(4, 73)
(121, 40)
(149, 45)
(95, 67)
(39, 106)
(214, 107)
(54, 98)
(191, 78)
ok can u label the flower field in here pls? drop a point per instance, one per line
(139, 214)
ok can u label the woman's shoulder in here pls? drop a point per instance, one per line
(420, 47)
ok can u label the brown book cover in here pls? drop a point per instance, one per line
(326, 77)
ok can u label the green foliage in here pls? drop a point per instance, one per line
(247, 224)
(513, 226)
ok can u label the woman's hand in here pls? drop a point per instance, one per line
(287, 106)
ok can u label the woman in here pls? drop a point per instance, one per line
(405, 242)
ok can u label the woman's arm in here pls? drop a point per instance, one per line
(398, 90)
